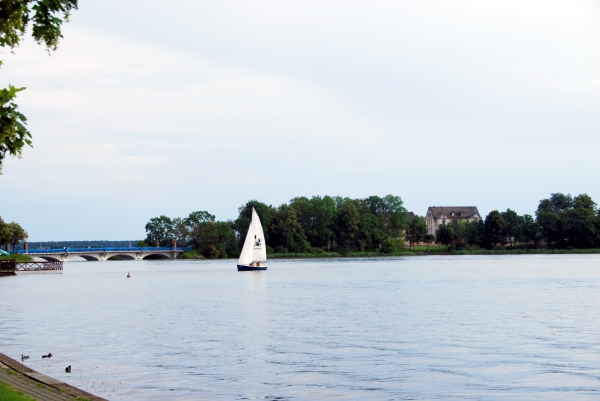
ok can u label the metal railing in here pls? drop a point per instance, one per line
(95, 250)
(38, 266)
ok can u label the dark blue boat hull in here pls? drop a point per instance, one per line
(242, 268)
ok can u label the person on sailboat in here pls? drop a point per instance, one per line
(258, 264)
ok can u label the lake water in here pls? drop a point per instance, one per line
(418, 328)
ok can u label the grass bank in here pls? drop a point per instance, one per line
(18, 258)
(8, 393)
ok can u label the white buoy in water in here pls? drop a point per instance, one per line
(128, 274)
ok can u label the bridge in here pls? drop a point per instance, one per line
(102, 254)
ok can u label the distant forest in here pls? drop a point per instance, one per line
(374, 224)
(303, 225)
(379, 224)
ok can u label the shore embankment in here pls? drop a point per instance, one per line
(38, 385)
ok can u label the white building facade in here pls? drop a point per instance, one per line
(437, 215)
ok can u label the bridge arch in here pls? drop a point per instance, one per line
(121, 256)
(48, 258)
(155, 256)
(89, 258)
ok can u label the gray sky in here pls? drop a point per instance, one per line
(153, 107)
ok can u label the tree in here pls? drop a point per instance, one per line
(567, 221)
(216, 239)
(444, 235)
(347, 224)
(5, 234)
(245, 214)
(181, 231)
(194, 220)
(17, 234)
(459, 229)
(530, 230)
(316, 216)
(428, 239)
(513, 225)
(474, 232)
(159, 229)
(495, 229)
(417, 230)
(287, 233)
(370, 235)
(46, 16)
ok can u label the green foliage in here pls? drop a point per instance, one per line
(11, 233)
(428, 239)
(8, 393)
(316, 216)
(513, 225)
(444, 235)
(347, 224)
(565, 221)
(242, 223)
(17, 234)
(46, 17)
(159, 229)
(286, 231)
(459, 230)
(17, 257)
(216, 239)
(13, 132)
(190, 255)
(474, 232)
(5, 233)
(417, 230)
(495, 229)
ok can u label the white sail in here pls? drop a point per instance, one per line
(255, 248)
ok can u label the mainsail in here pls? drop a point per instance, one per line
(255, 248)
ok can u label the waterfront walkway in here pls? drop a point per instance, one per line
(37, 385)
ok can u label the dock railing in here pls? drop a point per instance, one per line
(38, 266)
(7, 266)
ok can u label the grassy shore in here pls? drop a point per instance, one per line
(18, 258)
(8, 393)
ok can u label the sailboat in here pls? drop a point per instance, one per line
(255, 248)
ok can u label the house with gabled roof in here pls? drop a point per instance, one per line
(437, 215)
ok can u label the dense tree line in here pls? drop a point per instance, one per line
(561, 221)
(302, 225)
(11, 234)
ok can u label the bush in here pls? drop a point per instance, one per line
(281, 249)
(270, 250)
(190, 255)
(391, 246)
(317, 251)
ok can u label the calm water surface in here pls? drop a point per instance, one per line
(462, 328)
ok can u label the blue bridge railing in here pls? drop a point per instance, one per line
(83, 250)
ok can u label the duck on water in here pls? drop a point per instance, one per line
(254, 252)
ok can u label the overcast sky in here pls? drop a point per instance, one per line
(153, 107)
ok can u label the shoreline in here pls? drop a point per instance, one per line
(478, 252)
(28, 376)
(414, 253)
